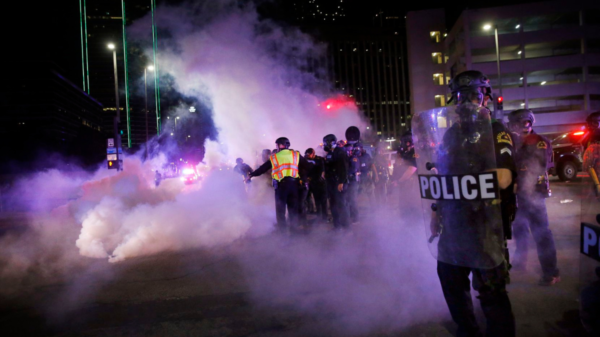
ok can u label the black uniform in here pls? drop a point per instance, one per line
(303, 192)
(490, 283)
(353, 181)
(286, 193)
(317, 186)
(243, 169)
(534, 158)
(336, 172)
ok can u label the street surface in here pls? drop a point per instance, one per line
(377, 280)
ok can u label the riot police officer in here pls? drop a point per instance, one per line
(242, 168)
(591, 156)
(367, 172)
(405, 169)
(316, 182)
(285, 166)
(353, 181)
(336, 176)
(533, 159)
(466, 222)
(381, 177)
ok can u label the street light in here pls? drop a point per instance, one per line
(148, 68)
(117, 118)
(488, 27)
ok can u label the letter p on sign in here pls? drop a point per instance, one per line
(590, 245)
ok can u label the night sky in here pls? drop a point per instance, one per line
(49, 30)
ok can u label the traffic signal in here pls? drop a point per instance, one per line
(500, 103)
(114, 164)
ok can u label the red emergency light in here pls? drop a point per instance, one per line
(578, 133)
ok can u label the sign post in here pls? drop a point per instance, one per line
(113, 155)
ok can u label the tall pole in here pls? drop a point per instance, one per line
(156, 73)
(146, 111)
(126, 65)
(87, 60)
(82, 45)
(117, 118)
(498, 60)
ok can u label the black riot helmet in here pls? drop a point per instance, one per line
(406, 143)
(283, 141)
(349, 148)
(329, 142)
(358, 149)
(266, 153)
(470, 86)
(521, 121)
(239, 161)
(593, 121)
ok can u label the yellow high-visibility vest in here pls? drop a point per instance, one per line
(285, 164)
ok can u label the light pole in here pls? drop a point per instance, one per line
(488, 27)
(148, 68)
(390, 141)
(117, 118)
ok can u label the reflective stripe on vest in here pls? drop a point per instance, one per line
(285, 164)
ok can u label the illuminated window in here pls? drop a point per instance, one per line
(440, 101)
(438, 79)
(435, 37)
(436, 58)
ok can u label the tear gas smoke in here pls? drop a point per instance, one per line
(249, 73)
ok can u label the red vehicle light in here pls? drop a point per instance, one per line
(578, 133)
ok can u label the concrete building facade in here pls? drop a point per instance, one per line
(549, 58)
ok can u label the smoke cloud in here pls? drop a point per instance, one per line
(249, 74)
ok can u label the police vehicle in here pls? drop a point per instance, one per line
(568, 151)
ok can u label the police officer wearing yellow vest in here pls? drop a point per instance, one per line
(285, 166)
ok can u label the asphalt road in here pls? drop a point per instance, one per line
(273, 285)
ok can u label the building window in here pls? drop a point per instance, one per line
(440, 101)
(556, 48)
(436, 58)
(509, 80)
(435, 37)
(482, 55)
(554, 76)
(592, 17)
(556, 104)
(438, 79)
(550, 21)
(593, 46)
(593, 74)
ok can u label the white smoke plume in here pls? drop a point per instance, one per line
(246, 70)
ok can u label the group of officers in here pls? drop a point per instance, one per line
(336, 179)
(521, 159)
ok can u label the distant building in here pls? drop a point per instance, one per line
(365, 61)
(102, 23)
(43, 113)
(549, 58)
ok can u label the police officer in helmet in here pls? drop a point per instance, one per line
(316, 182)
(336, 176)
(285, 166)
(353, 181)
(470, 232)
(405, 169)
(533, 159)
